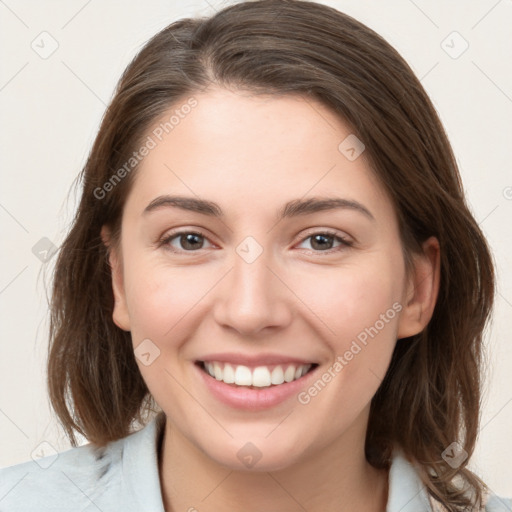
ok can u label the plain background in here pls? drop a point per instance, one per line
(51, 109)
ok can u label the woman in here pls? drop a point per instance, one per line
(273, 270)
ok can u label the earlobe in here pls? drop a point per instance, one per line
(120, 314)
(422, 290)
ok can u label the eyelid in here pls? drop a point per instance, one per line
(345, 242)
(324, 231)
(169, 235)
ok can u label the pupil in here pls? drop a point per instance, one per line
(189, 240)
(321, 241)
(316, 237)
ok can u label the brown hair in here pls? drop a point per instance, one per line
(430, 396)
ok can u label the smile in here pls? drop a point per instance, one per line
(257, 377)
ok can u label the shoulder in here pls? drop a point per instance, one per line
(494, 503)
(123, 475)
(497, 503)
(54, 482)
(407, 493)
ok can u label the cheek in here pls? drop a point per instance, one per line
(353, 298)
(347, 299)
(163, 302)
(361, 308)
(158, 297)
(360, 305)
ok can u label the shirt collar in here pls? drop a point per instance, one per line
(141, 480)
(140, 475)
(406, 491)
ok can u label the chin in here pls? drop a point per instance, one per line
(256, 455)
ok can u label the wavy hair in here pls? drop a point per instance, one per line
(430, 396)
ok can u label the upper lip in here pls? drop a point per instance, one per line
(254, 360)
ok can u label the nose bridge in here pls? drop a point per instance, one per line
(252, 297)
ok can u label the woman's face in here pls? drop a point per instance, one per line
(269, 280)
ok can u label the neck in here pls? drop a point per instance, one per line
(337, 478)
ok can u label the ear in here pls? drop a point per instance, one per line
(120, 314)
(421, 291)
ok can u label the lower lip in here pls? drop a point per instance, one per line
(253, 399)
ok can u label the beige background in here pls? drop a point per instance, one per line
(51, 108)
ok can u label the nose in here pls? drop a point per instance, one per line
(253, 297)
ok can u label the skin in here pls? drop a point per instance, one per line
(251, 154)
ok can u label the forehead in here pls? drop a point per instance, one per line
(246, 151)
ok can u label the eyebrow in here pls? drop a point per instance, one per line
(292, 208)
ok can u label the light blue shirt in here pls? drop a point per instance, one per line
(123, 477)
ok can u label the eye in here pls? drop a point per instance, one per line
(192, 241)
(322, 241)
(187, 241)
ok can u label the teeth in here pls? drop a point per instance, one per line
(217, 371)
(260, 376)
(289, 374)
(277, 376)
(229, 374)
(243, 376)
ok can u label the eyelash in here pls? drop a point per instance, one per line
(345, 243)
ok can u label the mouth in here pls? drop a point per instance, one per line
(257, 377)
